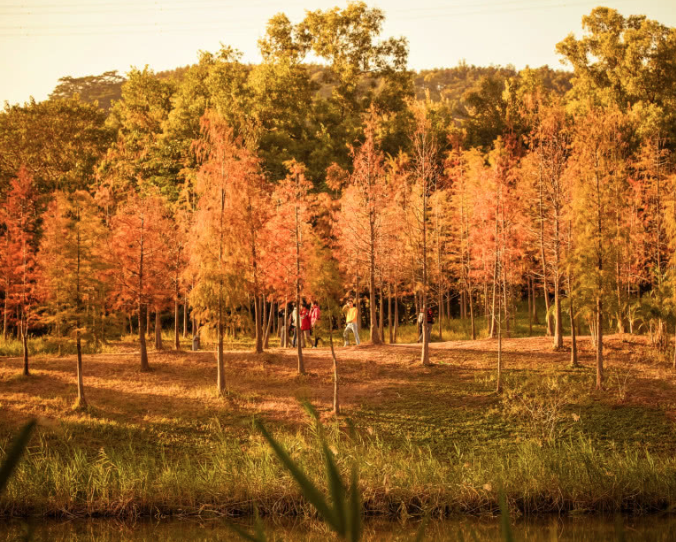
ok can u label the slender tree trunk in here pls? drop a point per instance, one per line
(131, 325)
(158, 330)
(389, 313)
(536, 319)
(425, 354)
(674, 360)
(573, 337)
(148, 325)
(471, 315)
(396, 314)
(299, 341)
(258, 316)
(448, 304)
(373, 322)
(81, 402)
(268, 326)
(4, 315)
(285, 328)
(177, 342)
(441, 313)
(381, 315)
(24, 345)
(336, 400)
(599, 343)
(220, 364)
(530, 307)
(498, 388)
(185, 318)
(142, 322)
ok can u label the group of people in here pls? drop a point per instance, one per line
(304, 324)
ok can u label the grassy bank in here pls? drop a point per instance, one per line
(437, 438)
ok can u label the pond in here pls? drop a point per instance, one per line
(587, 529)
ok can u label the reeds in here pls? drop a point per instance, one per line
(227, 476)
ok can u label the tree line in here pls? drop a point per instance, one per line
(242, 188)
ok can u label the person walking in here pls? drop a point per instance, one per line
(305, 326)
(294, 328)
(351, 323)
(315, 313)
(427, 321)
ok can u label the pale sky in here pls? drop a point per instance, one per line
(42, 40)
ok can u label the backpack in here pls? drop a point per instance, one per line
(430, 316)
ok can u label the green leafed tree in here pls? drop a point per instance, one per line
(72, 264)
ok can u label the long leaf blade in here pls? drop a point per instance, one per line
(309, 490)
(14, 454)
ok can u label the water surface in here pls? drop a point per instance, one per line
(584, 529)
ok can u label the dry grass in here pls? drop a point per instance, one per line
(414, 422)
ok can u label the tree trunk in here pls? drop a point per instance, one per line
(285, 328)
(573, 337)
(185, 318)
(674, 361)
(158, 331)
(258, 318)
(299, 341)
(177, 342)
(4, 317)
(24, 346)
(142, 322)
(599, 343)
(373, 322)
(148, 324)
(471, 315)
(536, 319)
(220, 365)
(425, 354)
(381, 315)
(396, 314)
(336, 401)
(268, 327)
(530, 307)
(441, 313)
(498, 388)
(81, 402)
(558, 331)
(390, 327)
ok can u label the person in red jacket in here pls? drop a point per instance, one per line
(305, 325)
(315, 313)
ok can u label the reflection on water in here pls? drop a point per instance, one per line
(646, 529)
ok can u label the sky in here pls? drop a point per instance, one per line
(43, 40)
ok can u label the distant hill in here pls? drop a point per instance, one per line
(442, 84)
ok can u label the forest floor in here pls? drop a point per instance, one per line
(437, 437)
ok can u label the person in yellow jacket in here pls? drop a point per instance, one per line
(351, 323)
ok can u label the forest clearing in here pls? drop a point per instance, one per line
(326, 286)
(425, 438)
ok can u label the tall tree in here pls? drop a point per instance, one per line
(140, 257)
(424, 177)
(71, 260)
(20, 218)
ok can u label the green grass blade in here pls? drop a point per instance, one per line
(14, 454)
(505, 526)
(309, 490)
(246, 536)
(336, 489)
(259, 534)
(420, 534)
(354, 510)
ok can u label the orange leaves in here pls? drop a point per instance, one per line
(139, 250)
